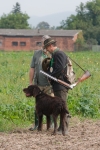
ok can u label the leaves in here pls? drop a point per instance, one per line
(16, 8)
(87, 19)
(15, 20)
(43, 25)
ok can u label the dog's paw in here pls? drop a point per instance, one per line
(39, 130)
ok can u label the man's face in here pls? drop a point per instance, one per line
(42, 41)
(44, 50)
(49, 48)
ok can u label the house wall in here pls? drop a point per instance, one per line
(1, 43)
(34, 40)
(75, 38)
(64, 43)
(8, 43)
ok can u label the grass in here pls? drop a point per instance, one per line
(17, 111)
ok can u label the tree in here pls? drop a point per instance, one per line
(43, 25)
(16, 8)
(15, 20)
(93, 8)
(87, 19)
(53, 28)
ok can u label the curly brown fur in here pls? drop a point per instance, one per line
(47, 105)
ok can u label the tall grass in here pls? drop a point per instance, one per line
(16, 110)
(84, 99)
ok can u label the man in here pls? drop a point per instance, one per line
(34, 74)
(58, 65)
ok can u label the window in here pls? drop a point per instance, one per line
(14, 43)
(38, 43)
(22, 43)
(0, 43)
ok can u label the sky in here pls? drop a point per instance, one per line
(40, 7)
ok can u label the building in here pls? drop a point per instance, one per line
(29, 39)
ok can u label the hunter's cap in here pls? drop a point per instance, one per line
(49, 41)
(44, 37)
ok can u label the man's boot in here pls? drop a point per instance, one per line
(60, 125)
(60, 128)
(36, 123)
(68, 116)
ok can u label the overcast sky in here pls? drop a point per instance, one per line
(40, 7)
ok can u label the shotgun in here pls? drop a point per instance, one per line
(85, 76)
(57, 80)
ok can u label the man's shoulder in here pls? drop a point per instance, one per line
(37, 52)
(60, 52)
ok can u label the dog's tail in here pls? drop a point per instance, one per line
(67, 112)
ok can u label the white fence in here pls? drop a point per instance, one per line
(96, 48)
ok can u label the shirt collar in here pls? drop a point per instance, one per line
(55, 50)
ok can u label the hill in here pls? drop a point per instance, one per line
(53, 19)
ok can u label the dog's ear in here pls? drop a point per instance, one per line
(36, 90)
(24, 90)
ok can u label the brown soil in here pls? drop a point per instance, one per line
(82, 135)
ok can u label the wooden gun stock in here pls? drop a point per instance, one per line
(85, 76)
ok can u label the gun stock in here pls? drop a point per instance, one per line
(85, 76)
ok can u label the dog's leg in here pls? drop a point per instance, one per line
(55, 125)
(63, 119)
(48, 122)
(40, 117)
(60, 125)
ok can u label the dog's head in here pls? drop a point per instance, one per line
(31, 90)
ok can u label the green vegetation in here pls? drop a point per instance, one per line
(15, 19)
(43, 25)
(17, 111)
(87, 19)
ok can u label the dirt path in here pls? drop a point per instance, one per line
(83, 135)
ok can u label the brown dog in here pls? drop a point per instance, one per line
(47, 105)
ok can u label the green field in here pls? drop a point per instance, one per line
(17, 111)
